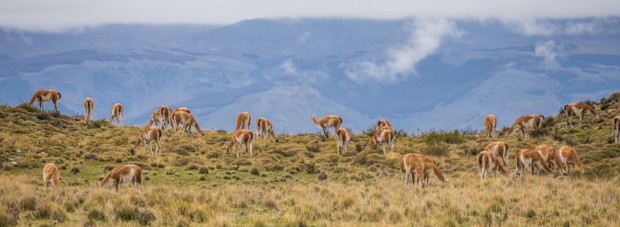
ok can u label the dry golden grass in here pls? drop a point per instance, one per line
(299, 182)
(530, 200)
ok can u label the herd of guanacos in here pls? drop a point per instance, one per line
(415, 168)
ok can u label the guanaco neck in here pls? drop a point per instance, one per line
(314, 120)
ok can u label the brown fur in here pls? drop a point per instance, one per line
(383, 123)
(243, 121)
(241, 137)
(51, 176)
(383, 136)
(45, 95)
(579, 109)
(499, 149)
(408, 167)
(490, 124)
(187, 120)
(343, 136)
(161, 117)
(523, 123)
(615, 126)
(117, 112)
(550, 155)
(148, 134)
(569, 155)
(530, 157)
(128, 173)
(184, 109)
(264, 129)
(89, 107)
(418, 167)
(487, 161)
(328, 121)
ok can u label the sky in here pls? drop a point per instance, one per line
(62, 15)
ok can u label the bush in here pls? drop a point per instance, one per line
(436, 137)
(439, 149)
(28, 203)
(255, 171)
(313, 147)
(28, 108)
(322, 176)
(126, 213)
(203, 170)
(95, 214)
(5, 219)
(52, 211)
(146, 216)
(75, 170)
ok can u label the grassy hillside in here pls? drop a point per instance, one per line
(299, 181)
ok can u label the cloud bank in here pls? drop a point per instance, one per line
(61, 14)
(401, 60)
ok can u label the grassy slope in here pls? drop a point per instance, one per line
(281, 185)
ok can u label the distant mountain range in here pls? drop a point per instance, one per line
(286, 70)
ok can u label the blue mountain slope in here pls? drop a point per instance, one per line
(289, 69)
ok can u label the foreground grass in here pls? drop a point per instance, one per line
(530, 200)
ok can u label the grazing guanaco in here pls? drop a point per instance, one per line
(383, 136)
(490, 124)
(550, 155)
(264, 129)
(615, 125)
(241, 137)
(487, 161)
(51, 176)
(89, 107)
(531, 158)
(499, 149)
(407, 167)
(45, 95)
(328, 121)
(382, 123)
(526, 122)
(568, 155)
(128, 173)
(148, 134)
(422, 166)
(161, 117)
(155, 118)
(579, 109)
(243, 121)
(116, 112)
(343, 136)
(187, 120)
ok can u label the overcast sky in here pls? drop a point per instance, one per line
(57, 15)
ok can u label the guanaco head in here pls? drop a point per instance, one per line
(132, 148)
(229, 145)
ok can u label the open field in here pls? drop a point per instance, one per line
(300, 181)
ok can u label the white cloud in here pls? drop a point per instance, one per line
(308, 76)
(304, 37)
(535, 27)
(548, 52)
(424, 40)
(581, 28)
(61, 14)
